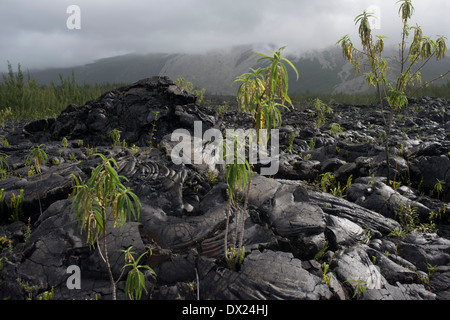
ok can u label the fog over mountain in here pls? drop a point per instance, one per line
(321, 71)
(36, 33)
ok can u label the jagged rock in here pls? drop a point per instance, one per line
(39, 190)
(393, 271)
(432, 169)
(264, 275)
(439, 282)
(149, 105)
(307, 170)
(353, 267)
(424, 250)
(399, 292)
(342, 233)
(372, 221)
(381, 198)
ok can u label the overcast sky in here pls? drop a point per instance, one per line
(34, 33)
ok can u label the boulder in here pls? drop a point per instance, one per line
(266, 275)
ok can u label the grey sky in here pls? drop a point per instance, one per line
(34, 33)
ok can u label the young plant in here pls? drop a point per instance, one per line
(5, 115)
(134, 149)
(336, 129)
(4, 167)
(238, 180)
(322, 251)
(359, 287)
(311, 144)
(327, 180)
(291, 140)
(412, 58)
(320, 112)
(261, 93)
(339, 191)
(188, 87)
(90, 151)
(4, 142)
(326, 275)
(264, 90)
(154, 129)
(407, 216)
(2, 201)
(38, 156)
(48, 295)
(114, 135)
(16, 206)
(135, 281)
(92, 201)
(438, 187)
(64, 143)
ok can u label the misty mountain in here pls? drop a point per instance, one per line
(321, 71)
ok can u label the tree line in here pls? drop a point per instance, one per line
(22, 97)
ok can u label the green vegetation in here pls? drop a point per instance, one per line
(16, 206)
(359, 287)
(135, 280)
(25, 99)
(336, 129)
(322, 251)
(104, 191)
(48, 295)
(188, 86)
(154, 129)
(327, 182)
(407, 216)
(22, 98)
(413, 56)
(320, 112)
(261, 93)
(438, 187)
(2, 201)
(4, 167)
(291, 140)
(114, 135)
(326, 275)
(65, 143)
(38, 156)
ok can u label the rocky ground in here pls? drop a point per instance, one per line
(326, 226)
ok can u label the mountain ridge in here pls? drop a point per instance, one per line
(321, 70)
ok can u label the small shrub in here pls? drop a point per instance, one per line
(92, 200)
(4, 167)
(38, 156)
(114, 135)
(135, 280)
(16, 206)
(320, 112)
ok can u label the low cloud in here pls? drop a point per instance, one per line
(35, 33)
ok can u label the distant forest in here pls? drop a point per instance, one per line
(22, 97)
